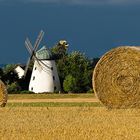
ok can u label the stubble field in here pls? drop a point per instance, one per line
(68, 123)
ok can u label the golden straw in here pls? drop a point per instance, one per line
(3, 94)
(116, 78)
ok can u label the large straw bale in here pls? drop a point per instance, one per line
(3, 94)
(116, 78)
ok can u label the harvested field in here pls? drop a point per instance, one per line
(31, 119)
(84, 123)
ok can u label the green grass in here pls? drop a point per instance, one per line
(48, 96)
(54, 104)
(51, 104)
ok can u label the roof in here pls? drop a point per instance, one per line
(44, 53)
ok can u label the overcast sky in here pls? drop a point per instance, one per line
(76, 2)
(90, 26)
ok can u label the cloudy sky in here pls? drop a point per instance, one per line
(90, 26)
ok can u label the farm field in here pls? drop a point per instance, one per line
(52, 100)
(49, 96)
(66, 120)
(69, 123)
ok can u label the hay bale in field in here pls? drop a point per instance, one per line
(116, 78)
(3, 94)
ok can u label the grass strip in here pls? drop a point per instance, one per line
(48, 96)
(54, 104)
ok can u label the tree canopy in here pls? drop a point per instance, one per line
(74, 69)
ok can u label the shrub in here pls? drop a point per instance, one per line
(14, 87)
(90, 91)
(69, 84)
(26, 92)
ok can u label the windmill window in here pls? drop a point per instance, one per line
(32, 88)
(34, 78)
(51, 68)
(55, 88)
(53, 78)
(35, 68)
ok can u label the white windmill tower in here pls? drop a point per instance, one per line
(44, 77)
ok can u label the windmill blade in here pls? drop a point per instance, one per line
(39, 38)
(27, 66)
(32, 50)
(28, 48)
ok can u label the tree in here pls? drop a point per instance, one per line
(1, 73)
(74, 69)
(79, 67)
(69, 84)
(59, 52)
(9, 76)
(94, 61)
(60, 49)
(24, 82)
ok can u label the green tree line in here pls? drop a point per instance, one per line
(75, 71)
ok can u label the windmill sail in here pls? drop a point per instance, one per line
(39, 38)
(32, 50)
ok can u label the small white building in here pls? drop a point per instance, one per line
(20, 71)
(44, 76)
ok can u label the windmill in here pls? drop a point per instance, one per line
(44, 77)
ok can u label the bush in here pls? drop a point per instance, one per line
(90, 91)
(26, 92)
(14, 87)
(69, 84)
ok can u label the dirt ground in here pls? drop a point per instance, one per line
(78, 100)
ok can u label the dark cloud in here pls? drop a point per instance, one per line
(79, 2)
(88, 2)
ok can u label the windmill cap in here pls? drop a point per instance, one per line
(44, 53)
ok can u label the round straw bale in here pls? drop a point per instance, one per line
(116, 78)
(3, 94)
